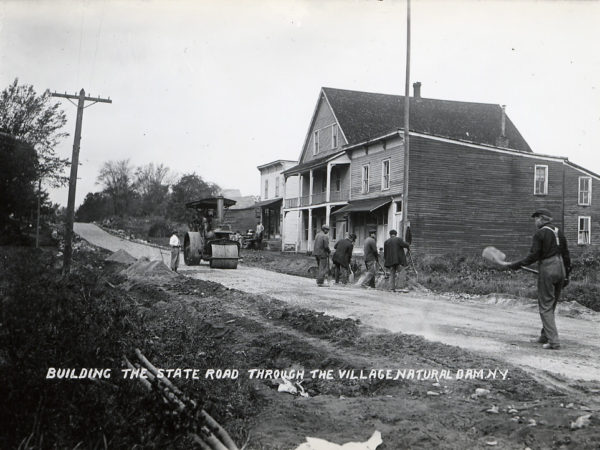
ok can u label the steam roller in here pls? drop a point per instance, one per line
(209, 235)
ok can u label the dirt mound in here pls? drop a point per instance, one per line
(121, 256)
(143, 267)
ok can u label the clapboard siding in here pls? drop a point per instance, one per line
(463, 198)
(323, 121)
(375, 157)
(573, 210)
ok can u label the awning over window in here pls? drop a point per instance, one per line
(368, 205)
(270, 202)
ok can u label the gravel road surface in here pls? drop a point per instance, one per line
(498, 329)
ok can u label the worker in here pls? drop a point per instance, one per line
(175, 245)
(394, 258)
(342, 257)
(321, 252)
(258, 235)
(371, 259)
(549, 249)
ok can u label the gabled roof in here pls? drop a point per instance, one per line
(365, 115)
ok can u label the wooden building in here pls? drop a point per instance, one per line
(473, 179)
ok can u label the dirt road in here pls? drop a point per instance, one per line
(494, 328)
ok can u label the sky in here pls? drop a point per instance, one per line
(220, 87)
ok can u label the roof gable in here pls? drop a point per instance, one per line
(366, 115)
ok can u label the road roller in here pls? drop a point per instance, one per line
(209, 238)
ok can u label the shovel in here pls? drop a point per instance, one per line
(351, 276)
(495, 256)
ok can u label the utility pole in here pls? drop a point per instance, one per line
(405, 221)
(81, 99)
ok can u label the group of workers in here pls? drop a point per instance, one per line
(394, 257)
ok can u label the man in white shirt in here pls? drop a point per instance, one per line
(174, 243)
(258, 236)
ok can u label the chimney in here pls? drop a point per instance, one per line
(502, 140)
(417, 90)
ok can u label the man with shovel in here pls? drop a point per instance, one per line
(394, 258)
(371, 259)
(342, 258)
(321, 252)
(549, 249)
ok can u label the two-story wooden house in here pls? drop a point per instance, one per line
(473, 179)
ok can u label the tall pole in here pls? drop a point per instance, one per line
(405, 221)
(68, 251)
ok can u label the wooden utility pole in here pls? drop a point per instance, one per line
(68, 251)
(405, 221)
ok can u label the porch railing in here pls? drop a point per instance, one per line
(305, 200)
(318, 198)
(291, 202)
(338, 196)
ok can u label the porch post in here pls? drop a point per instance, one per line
(300, 179)
(328, 194)
(282, 226)
(310, 236)
(310, 187)
(299, 231)
(327, 214)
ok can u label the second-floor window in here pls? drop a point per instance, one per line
(541, 180)
(334, 135)
(266, 189)
(385, 174)
(585, 191)
(276, 186)
(583, 231)
(316, 142)
(365, 179)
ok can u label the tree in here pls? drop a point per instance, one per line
(152, 184)
(95, 206)
(117, 179)
(190, 187)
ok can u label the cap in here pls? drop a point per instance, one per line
(542, 212)
(372, 230)
(352, 236)
(393, 232)
(325, 227)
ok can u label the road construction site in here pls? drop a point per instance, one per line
(476, 381)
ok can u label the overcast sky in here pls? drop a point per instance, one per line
(219, 87)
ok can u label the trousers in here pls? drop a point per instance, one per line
(400, 271)
(174, 258)
(550, 281)
(323, 264)
(371, 273)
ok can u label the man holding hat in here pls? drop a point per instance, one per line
(549, 249)
(371, 258)
(321, 251)
(342, 257)
(394, 257)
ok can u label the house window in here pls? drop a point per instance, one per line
(583, 231)
(316, 142)
(334, 135)
(266, 189)
(541, 180)
(585, 191)
(365, 179)
(385, 174)
(338, 182)
(276, 186)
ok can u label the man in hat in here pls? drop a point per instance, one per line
(342, 257)
(549, 249)
(321, 252)
(175, 244)
(371, 258)
(394, 257)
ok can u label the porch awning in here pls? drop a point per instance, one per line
(270, 202)
(368, 205)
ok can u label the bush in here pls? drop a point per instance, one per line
(160, 228)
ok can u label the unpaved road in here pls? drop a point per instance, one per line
(500, 330)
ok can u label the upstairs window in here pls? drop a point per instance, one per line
(365, 179)
(541, 180)
(276, 186)
(316, 142)
(385, 175)
(583, 231)
(334, 135)
(585, 191)
(266, 189)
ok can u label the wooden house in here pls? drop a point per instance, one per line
(473, 179)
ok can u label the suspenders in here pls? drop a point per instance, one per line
(555, 231)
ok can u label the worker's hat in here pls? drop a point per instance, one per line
(325, 227)
(542, 212)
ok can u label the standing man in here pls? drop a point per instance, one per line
(342, 257)
(258, 235)
(321, 252)
(549, 249)
(371, 258)
(394, 257)
(174, 243)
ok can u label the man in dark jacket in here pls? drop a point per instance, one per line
(371, 258)
(394, 257)
(342, 257)
(321, 252)
(549, 249)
